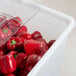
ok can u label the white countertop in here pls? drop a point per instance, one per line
(68, 7)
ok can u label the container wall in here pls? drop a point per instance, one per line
(53, 65)
(49, 25)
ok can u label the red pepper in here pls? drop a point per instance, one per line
(23, 40)
(13, 23)
(24, 35)
(23, 72)
(7, 63)
(14, 53)
(5, 50)
(5, 33)
(1, 53)
(21, 60)
(50, 43)
(36, 35)
(2, 46)
(10, 74)
(17, 21)
(22, 29)
(31, 61)
(14, 43)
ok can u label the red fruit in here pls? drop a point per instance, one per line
(41, 39)
(51, 43)
(10, 24)
(14, 43)
(14, 22)
(22, 72)
(23, 40)
(5, 50)
(14, 53)
(1, 53)
(2, 36)
(24, 35)
(21, 60)
(36, 35)
(5, 33)
(7, 63)
(10, 74)
(17, 20)
(22, 29)
(35, 47)
(3, 46)
(31, 61)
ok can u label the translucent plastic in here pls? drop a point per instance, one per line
(10, 9)
(16, 8)
(9, 25)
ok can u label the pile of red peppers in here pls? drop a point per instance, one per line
(22, 51)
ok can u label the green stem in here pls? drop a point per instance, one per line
(13, 42)
(5, 30)
(15, 55)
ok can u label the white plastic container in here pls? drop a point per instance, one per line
(52, 25)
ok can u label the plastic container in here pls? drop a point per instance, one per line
(8, 21)
(52, 25)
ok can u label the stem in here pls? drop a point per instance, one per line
(15, 55)
(13, 42)
(5, 30)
